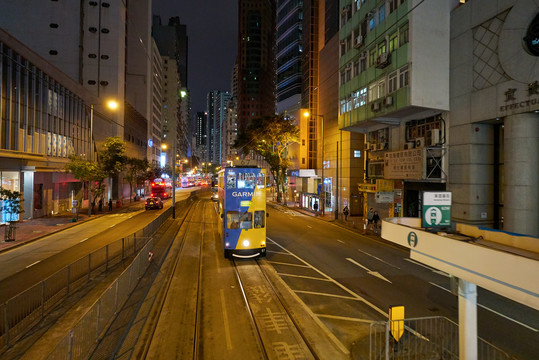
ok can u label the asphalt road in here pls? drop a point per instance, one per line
(27, 265)
(363, 277)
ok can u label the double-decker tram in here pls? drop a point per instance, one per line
(242, 211)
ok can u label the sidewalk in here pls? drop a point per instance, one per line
(354, 223)
(34, 229)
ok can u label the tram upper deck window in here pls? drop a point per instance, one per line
(260, 180)
(231, 180)
(246, 220)
(246, 180)
(259, 219)
(232, 220)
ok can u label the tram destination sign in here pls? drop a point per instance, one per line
(436, 209)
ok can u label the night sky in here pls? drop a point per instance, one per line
(212, 29)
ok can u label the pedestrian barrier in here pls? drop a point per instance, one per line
(20, 313)
(424, 338)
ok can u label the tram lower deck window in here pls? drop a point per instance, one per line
(246, 220)
(232, 220)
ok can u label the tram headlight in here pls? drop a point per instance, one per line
(227, 244)
(246, 243)
(263, 243)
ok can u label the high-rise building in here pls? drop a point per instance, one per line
(400, 105)
(256, 60)
(201, 135)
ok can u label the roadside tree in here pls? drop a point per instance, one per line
(11, 208)
(92, 177)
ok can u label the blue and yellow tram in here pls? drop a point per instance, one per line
(242, 211)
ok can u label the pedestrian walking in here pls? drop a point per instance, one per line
(370, 214)
(375, 220)
(110, 204)
(315, 207)
(345, 211)
(100, 204)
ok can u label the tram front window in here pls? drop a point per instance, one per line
(246, 220)
(259, 219)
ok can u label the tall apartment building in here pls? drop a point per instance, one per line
(220, 116)
(229, 127)
(201, 135)
(256, 60)
(494, 126)
(155, 130)
(393, 87)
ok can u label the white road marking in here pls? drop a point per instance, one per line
(32, 264)
(282, 263)
(83, 240)
(342, 242)
(439, 272)
(325, 294)
(303, 277)
(345, 318)
(489, 309)
(309, 226)
(277, 252)
(376, 308)
(377, 258)
(373, 273)
(112, 225)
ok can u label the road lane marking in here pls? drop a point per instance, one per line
(277, 252)
(83, 240)
(377, 258)
(439, 272)
(325, 294)
(303, 276)
(370, 272)
(376, 308)
(112, 225)
(283, 263)
(32, 264)
(344, 318)
(225, 320)
(309, 226)
(489, 309)
(342, 242)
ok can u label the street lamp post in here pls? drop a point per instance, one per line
(323, 195)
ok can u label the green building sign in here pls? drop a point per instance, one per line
(436, 209)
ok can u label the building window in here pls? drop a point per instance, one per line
(362, 96)
(53, 25)
(393, 42)
(392, 82)
(381, 48)
(403, 76)
(381, 13)
(363, 64)
(53, 52)
(357, 153)
(403, 35)
(356, 68)
(92, 29)
(355, 99)
(104, 57)
(372, 23)
(91, 82)
(92, 56)
(343, 77)
(105, 31)
(393, 4)
(372, 92)
(381, 88)
(372, 57)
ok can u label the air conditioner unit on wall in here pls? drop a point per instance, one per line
(434, 136)
(420, 142)
(375, 106)
(382, 61)
(388, 101)
(358, 41)
(369, 15)
(409, 145)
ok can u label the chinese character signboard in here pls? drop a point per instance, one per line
(436, 209)
(404, 164)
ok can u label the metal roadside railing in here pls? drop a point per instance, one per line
(20, 313)
(84, 336)
(424, 338)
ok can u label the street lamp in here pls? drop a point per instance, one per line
(112, 105)
(307, 114)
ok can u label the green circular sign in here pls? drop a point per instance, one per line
(412, 239)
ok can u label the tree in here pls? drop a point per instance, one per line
(112, 158)
(135, 172)
(91, 175)
(11, 207)
(270, 137)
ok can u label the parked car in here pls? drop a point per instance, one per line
(153, 203)
(214, 193)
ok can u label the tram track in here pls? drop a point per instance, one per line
(277, 333)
